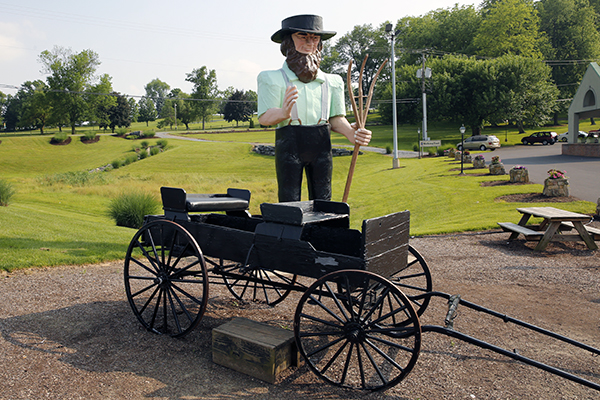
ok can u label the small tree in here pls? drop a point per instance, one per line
(147, 110)
(239, 107)
(120, 113)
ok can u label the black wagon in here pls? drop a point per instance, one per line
(357, 322)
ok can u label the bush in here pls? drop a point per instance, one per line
(60, 137)
(144, 144)
(130, 159)
(154, 151)
(6, 192)
(88, 135)
(416, 147)
(143, 154)
(148, 134)
(121, 131)
(129, 209)
(162, 143)
(117, 164)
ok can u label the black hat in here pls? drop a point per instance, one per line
(302, 23)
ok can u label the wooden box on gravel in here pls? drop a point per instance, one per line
(254, 348)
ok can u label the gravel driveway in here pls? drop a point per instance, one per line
(68, 332)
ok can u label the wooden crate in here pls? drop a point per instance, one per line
(253, 348)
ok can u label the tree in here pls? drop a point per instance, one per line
(511, 27)
(147, 110)
(2, 106)
(13, 109)
(120, 113)
(239, 107)
(101, 101)
(186, 112)
(37, 108)
(205, 91)
(157, 90)
(363, 40)
(135, 111)
(69, 76)
(571, 29)
(449, 30)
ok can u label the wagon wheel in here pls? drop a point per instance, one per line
(414, 280)
(361, 336)
(250, 282)
(166, 279)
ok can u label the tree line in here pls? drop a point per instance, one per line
(506, 60)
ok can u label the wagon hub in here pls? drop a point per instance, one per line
(354, 332)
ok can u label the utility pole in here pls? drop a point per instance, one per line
(424, 73)
(395, 162)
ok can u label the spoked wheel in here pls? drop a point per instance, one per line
(414, 280)
(250, 282)
(166, 279)
(356, 329)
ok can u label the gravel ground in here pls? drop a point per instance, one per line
(68, 332)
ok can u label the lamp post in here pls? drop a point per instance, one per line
(462, 147)
(418, 141)
(395, 162)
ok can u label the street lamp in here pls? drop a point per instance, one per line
(418, 140)
(462, 147)
(395, 162)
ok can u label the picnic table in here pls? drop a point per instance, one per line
(552, 228)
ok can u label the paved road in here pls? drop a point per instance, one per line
(583, 172)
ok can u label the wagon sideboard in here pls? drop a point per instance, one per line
(312, 247)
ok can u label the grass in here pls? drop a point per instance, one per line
(57, 216)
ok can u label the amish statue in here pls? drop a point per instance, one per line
(305, 104)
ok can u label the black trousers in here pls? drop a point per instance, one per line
(301, 148)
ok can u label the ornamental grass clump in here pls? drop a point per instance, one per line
(129, 209)
(6, 192)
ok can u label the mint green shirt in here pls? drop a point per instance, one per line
(271, 89)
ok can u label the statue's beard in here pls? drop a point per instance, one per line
(305, 66)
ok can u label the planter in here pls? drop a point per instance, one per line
(467, 158)
(519, 176)
(457, 156)
(556, 187)
(497, 169)
(478, 163)
(451, 153)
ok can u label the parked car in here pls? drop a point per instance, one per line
(480, 142)
(541, 137)
(563, 137)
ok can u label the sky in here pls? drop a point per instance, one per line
(141, 40)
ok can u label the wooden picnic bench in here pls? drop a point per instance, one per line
(555, 221)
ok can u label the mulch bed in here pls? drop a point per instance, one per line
(63, 143)
(88, 141)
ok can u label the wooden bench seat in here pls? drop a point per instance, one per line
(594, 232)
(517, 229)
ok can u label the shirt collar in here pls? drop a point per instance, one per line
(292, 76)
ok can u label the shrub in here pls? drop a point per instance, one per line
(121, 131)
(60, 137)
(130, 159)
(144, 144)
(129, 209)
(6, 192)
(388, 150)
(117, 164)
(154, 151)
(89, 135)
(148, 134)
(416, 147)
(143, 154)
(162, 143)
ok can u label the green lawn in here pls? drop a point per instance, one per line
(55, 220)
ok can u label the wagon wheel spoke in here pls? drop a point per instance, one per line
(414, 280)
(352, 337)
(166, 280)
(250, 282)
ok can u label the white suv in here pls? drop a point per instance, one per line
(481, 142)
